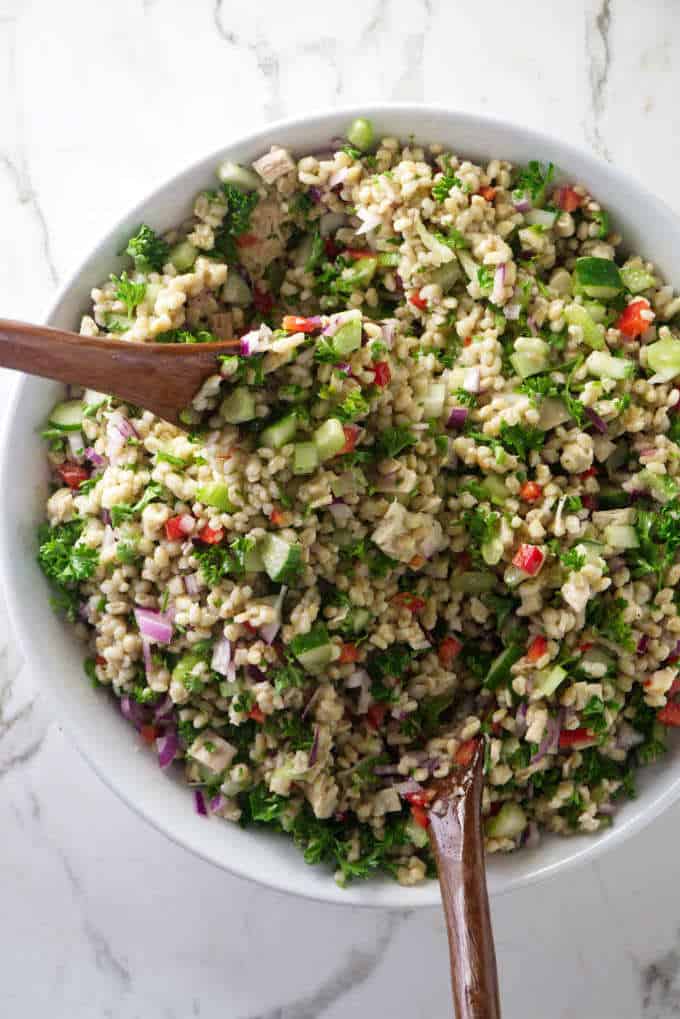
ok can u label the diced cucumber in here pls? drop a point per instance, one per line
(151, 293)
(612, 497)
(236, 290)
(183, 256)
(509, 822)
(445, 276)
(495, 488)
(492, 550)
(598, 277)
(596, 656)
(469, 265)
(94, 400)
(252, 560)
(552, 413)
(472, 583)
(433, 404)
(329, 438)
(67, 416)
(361, 273)
(237, 406)
(597, 311)
(662, 486)
(215, 495)
(663, 357)
(636, 279)
(621, 536)
(185, 666)
(232, 173)
(280, 433)
(593, 332)
(305, 458)
(389, 259)
(542, 217)
(548, 680)
(530, 357)
(499, 670)
(314, 650)
(347, 337)
(606, 366)
(281, 559)
(416, 834)
(356, 620)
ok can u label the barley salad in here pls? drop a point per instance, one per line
(432, 496)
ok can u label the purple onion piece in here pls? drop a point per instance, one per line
(315, 194)
(257, 675)
(457, 417)
(106, 517)
(167, 746)
(314, 752)
(596, 420)
(199, 802)
(94, 457)
(643, 644)
(408, 786)
(154, 626)
(550, 742)
(217, 802)
(164, 710)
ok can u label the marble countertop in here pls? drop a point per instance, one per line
(101, 916)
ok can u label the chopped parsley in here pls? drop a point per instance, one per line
(127, 291)
(219, 561)
(124, 511)
(393, 441)
(442, 187)
(66, 562)
(148, 251)
(354, 406)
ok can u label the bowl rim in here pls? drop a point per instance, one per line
(354, 895)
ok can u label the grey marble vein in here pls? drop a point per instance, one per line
(266, 58)
(16, 164)
(598, 51)
(660, 986)
(16, 726)
(356, 970)
(410, 86)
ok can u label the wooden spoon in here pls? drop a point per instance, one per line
(161, 377)
(458, 844)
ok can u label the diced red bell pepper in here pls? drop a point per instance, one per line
(100, 660)
(331, 248)
(247, 240)
(357, 253)
(590, 473)
(465, 752)
(570, 738)
(409, 601)
(383, 375)
(528, 558)
(148, 734)
(537, 648)
(420, 799)
(263, 301)
(675, 688)
(465, 560)
(249, 627)
(590, 501)
(256, 714)
(467, 341)
(348, 653)
(418, 302)
(568, 199)
(173, 529)
(351, 435)
(631, 321)
(299, 324)
(73, 475)
(376, 715)
(209, 536)
(416, 561)
(488, 193)
(669, 714)
(585, 647)
(530, 491)
(449, 649)
(277, 517)
(419, 815)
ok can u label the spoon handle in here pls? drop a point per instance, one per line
(457, 841)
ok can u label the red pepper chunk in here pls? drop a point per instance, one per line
(417, 301)
(528, 558)
(331, 248)
(568, 199)
(570, 738)
(465, 752)
(530, 491)
(382, 372)
(256, 714)
(277, 518)
(488, 193)
(631, 321)
(669, 714)
(263, 301)
(348, 653)
(209, 536)
(537, 648)
(449, 649)
(73, 475)
(356, 253)
(419, 815)
(247, 240)
(590, 473)
(298, 324)
(351, 434)
(148, 734)
(376, 715)
(173, 529)
(420, 799)
(409, 601)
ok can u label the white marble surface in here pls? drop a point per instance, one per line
(101, 916)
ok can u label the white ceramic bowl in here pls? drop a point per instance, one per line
(55, 657)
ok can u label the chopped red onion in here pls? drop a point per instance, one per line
(628, 737)
(338, 177)
(550, 741)
(269, 631)
(409, 786)
(369, 221)
(221, 656)
(344, 367)
(133, 712)
(154, 626)
(308, 706)
(164, 710)
(497, 293)
(471, 380)
(643, 644)
(83, 612)
(596, 420)
(521, 720)
(388, 327)
(217, 802)
(315, 194)
(257, 675)
(167, 746)
(191, 584)
(106, 517)
(341, 513)
(521, 201)
(199, 801)
(126, 428)
(314, 752)
(607, 809)
(94, 457)
(532, 326)
(531, 836)
(457, 417)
